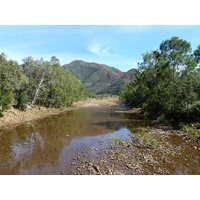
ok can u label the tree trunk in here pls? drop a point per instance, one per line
(38, 89)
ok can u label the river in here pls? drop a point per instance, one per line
(51, 145)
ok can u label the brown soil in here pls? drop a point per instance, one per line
(172, 155)
(14, 117)
(105, 102)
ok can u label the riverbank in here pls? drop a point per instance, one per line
(14, 117)
(151, 150)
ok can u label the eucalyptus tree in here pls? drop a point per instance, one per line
(166, 81)
(35, 71)
(11, 77)
(197, 54)
(51, 85)
(11, 82)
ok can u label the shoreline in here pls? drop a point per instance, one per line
(14, 117)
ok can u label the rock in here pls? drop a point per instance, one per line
(73, 163)
(67, 135)
(128, 166)
(18, 144)
(25, 143)
(194, 147)
(96, 168)
(77, 158)
(28, 107)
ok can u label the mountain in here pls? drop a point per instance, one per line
(119, 84)
(99, 78)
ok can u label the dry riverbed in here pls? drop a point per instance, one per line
(151, 150)
(13, 117)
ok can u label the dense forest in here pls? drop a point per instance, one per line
(37, 82)
(167, 83)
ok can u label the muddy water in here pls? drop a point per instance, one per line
(52, 145)
(48, 146)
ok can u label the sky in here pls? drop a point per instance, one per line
(119, 46)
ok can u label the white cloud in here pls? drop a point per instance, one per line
(100, 50)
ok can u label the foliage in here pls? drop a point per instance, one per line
(116, 142)
(11, 77)
(50, 85)
(194, 134)
(146, 139)
(191, 131)
(4, 103)
(167, 84)
(22, 101)
(37, 82)
(11, 80)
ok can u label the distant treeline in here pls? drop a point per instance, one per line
(167, 83)
(37, 82)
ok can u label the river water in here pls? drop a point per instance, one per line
(49, 145)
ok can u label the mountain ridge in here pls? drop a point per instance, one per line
(99, 78)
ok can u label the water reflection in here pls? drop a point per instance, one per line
(48, 142)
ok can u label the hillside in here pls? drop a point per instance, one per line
(99, 78)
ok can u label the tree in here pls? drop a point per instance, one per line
(35, 70)
(197, 54)
(54, 62)
(166, 82)
(22, 100)
(11, 77)
(11, 81)
(49, 84)
(38, 82)
(4, 103)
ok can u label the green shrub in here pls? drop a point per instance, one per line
(194, 112)
(117, 142)
(5, 102)
(146, 139)
(194, 134)
(22, 101)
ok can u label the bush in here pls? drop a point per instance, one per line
(194, 112)
(5, 101)
(22, 101)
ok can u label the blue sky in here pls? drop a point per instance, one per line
(117, 46)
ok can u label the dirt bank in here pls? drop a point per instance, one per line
(105, 102)
(152, 150)
(14, 117)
